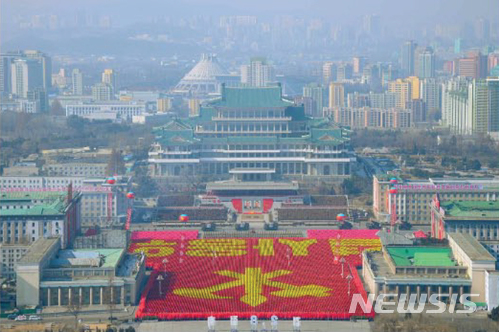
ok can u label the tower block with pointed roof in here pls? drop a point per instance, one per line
(252, 131)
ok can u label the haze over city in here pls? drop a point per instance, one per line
(216, 165)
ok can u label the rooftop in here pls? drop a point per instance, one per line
(382, 269)
(38, 250)
(206, 69)
(471, 247)
(480, 183)
(421, 256)
(54, 208)
(252, 97)
(105, 258)
(251, 185)
(393, 238)
(30, 195)
(471, 209)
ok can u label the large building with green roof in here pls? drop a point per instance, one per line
(26, 216)
(480, 219)
(251, 128)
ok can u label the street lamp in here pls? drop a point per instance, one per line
(181, 254)
(160, 279)
(214, 255)
(342, 261)
(349, 278)
(288, 256)
(164, 261)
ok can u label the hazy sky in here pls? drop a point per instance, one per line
(428, 11)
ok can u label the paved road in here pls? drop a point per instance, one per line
(224, 326)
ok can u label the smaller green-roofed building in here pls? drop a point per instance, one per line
(421, 256)
(477, 218)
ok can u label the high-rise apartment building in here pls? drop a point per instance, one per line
(482, 29)
(371, 74)
(102, 92)
(77, 82)
(384, 100)
(164, 104)
(407, 57)
(372, 25)
(345, 72)
(402, 90)
(484, 104)
(417, 108)
(430, 91)
(336, 95)
(388, 73)
(455, 106)
(426, 68)
(367, 117)
(471, 107)
(329, 72)
(414, 81)
(474, 66)
(45, 62)
(359, 62)
(110, 77)
(39, 97)
(258, 73)
(26, 74)
(493, 61)
(316, 93)
(40, 76)
(5, 74)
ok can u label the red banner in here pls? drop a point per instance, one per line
(194, 279)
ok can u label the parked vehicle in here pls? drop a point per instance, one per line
(405, 226)
(35, 317)
(21, 317)
(12, 316)
(374, 225)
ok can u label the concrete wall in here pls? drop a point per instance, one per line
(478, 286)
(492, 289)
(368, 275)
(28, 284)
(106, 239)
(29, 274)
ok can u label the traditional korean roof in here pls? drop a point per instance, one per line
(251, 97)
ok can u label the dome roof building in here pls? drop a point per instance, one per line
(201, 79)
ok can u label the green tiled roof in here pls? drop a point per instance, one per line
(320, 131)
(54, 208)
(471, 209)
(388, 177)
(175, 132)
(111, 256)
(297, 113)
(30, 195)
(421, 256)
(252, 97)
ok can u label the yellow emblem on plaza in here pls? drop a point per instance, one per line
(253, 281)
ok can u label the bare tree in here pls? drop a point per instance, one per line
(74, 308)
(115, 164)
(109, 298)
